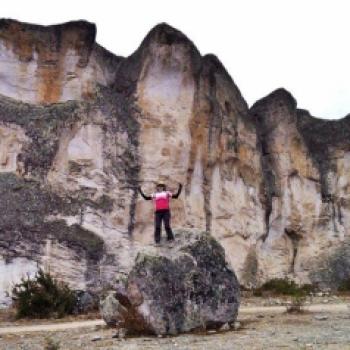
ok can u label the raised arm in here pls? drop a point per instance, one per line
(143, 195)
(177, 194)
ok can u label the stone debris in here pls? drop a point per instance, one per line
(321, 317)
(122, 333)
(225, 327)
(111, 310)
(96, 338)
(237, 325)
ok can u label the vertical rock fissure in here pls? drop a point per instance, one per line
(295, 238)
(125, 114)
(134, 170)
(214, 129)
(267, 173)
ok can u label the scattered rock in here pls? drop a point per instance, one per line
(96, 338)
(321, 317)
(85, 302)
(325, 301)
(260, 316)
(111, 310)
(225, 327)
(122, 333)
(237, 325)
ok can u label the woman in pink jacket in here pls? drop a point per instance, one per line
(161, 199)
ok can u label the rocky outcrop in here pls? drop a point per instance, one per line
(305, 163)
(176, 289)
(81, 128)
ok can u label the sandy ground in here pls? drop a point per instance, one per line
(324, 325)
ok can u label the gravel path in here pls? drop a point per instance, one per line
(322, 327)
(333, 308)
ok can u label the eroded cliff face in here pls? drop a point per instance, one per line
(52, 64)
(81, 128)
(305, 164)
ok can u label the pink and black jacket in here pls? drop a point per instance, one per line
(161, 199)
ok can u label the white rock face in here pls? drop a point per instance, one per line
(12, 139)
(12, 273)
(271, 183)
(79, 160)
(306, 224)
(55, 65)
(165, 94)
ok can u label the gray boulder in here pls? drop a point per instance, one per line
(179, 287)
(113, 313)
(85, 302)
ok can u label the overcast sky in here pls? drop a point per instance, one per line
(301, 45)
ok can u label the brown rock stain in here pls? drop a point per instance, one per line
(49, 49)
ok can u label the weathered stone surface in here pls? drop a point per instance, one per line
(178, 288)
(85, 302)
(81, 128)
(52, 64)
(112, 312)
(307, 186)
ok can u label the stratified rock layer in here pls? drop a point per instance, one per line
(81, 128)
(176, 289)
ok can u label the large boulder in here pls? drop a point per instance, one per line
(179, 287)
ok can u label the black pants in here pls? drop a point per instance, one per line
(159, 216)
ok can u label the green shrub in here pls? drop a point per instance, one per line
(280, 286)
(344, 286)
(297, 304)
(42, 297)
(51, 344)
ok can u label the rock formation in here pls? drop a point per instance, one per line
(80, 128)
(176, 289)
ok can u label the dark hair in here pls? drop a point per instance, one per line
(162, 186)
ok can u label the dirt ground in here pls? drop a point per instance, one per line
(263, 325)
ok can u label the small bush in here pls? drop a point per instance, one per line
(297, 304)
(42, 297)
(279, 286)
(52, 344)
(344, 286)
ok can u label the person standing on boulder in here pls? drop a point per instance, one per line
(161, 199)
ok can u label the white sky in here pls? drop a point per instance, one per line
(301, 45)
